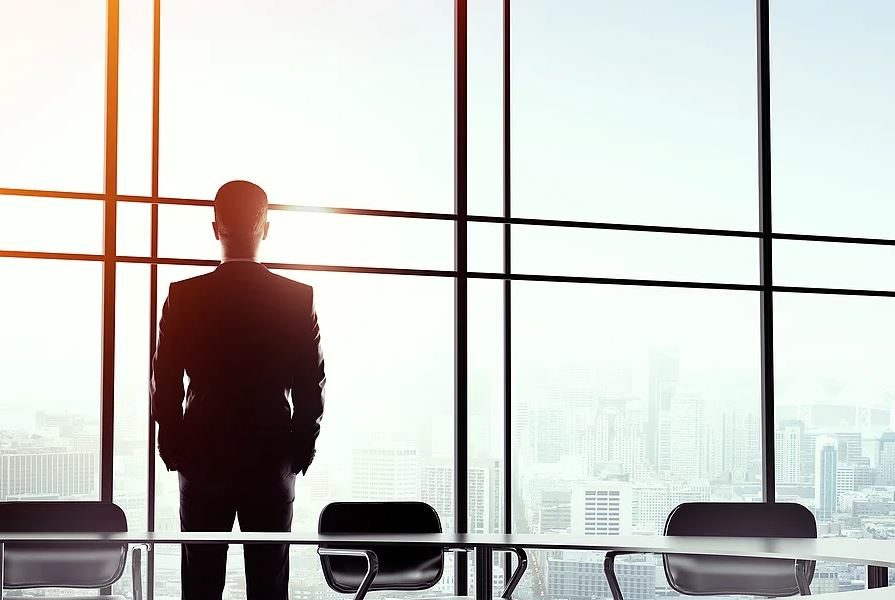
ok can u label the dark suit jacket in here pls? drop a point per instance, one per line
(248, 340)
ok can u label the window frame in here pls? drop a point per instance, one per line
(460, 273)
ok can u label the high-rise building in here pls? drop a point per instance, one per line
(478, 491)
(551, 436)
(845, 484)
(652, 502)
(385, 473)
(886, 465)
(664, 374)
(437, 489)
(788, 452)
(581, 578)
(602, 508)
(741, 441)
(687, 436)
(825, 472)
(809, 456)
(495, 500)
(849, 447)
(555, 511)
(47, 471)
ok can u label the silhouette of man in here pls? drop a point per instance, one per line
(248, 340)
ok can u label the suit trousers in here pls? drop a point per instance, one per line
(212, 507)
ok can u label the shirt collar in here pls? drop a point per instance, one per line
(229, 260)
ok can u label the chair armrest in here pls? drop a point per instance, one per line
(609, 571)
(372, 566)
(518, 572)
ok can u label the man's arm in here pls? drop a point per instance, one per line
(166, 387)
(308, 383)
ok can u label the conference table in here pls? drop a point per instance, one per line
(878, 555)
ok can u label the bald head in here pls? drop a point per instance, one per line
(240, 217)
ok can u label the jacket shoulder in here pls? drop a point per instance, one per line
(295, 287)
(185, 285)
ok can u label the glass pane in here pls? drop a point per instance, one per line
(485, 107)
(485, 420)
(337, 103)
(484, 242)
(832, 117)
(626, 402)
(52, 63)
(130, 467)
(633, 392)
(51, 225)
(135, 98)
(824, 264)
(543, 250)
(318, 238)
(641, 112)
(50, 389)
(834, 409)
(134, 222)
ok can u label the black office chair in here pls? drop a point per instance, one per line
(66, 564)
(700, 575)
(394, 568)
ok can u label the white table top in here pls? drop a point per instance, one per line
(883, 593)
(859, 551)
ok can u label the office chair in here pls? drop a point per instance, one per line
(700, 575)
(394, 568)
(67, 564)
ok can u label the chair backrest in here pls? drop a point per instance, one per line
(700, 575)
(400, 568)
(62, 564)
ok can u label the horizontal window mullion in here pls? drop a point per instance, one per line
(471, 218)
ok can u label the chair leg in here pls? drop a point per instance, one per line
(137, 572)
(611, 579)
(802, 578)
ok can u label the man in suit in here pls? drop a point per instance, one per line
(248, 340)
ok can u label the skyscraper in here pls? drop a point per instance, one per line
(788, 448)
(825, 472)
(437, 489)
(385, 473)
(887, 458)
(664, 374)
(687, 439)
(849, 447)
(741, 439)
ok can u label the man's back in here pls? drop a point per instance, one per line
(246, 339)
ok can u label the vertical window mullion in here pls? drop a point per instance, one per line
(765, 256)
(153, 285)
(110, 191)
(461, 451)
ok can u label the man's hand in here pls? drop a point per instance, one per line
(303, 457)
(169, 446)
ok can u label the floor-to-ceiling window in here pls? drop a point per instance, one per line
(591, 315)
